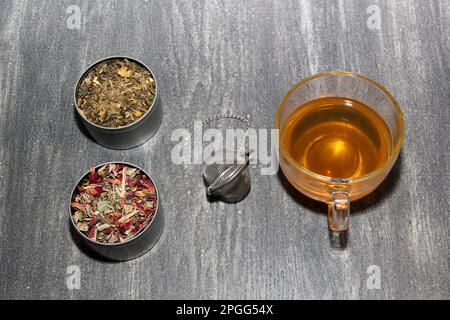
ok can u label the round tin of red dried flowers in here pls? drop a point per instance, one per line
(115, 208)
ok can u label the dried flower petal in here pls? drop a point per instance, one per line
(92, 234)
(78, 206)
(125, 226)
(124, 72)
(94, 177)
(96, 191)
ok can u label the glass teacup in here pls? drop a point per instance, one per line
(338, 191)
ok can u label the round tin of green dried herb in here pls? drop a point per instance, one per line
(116, 210)
(117, 101)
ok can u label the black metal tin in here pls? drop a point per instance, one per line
(137, 245)
(133, 134)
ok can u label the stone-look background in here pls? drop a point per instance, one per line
(211, 57)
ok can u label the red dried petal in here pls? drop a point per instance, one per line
(94, 176)
(96, 191)
(150, 186)
(114, 216)
(138, 183)
(124, 226)
(139, 205)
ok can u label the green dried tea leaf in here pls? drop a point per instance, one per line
(104, 207)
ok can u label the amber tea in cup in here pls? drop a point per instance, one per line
(337, 137)
(340, 134)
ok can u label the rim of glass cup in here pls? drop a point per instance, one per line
(366, 176)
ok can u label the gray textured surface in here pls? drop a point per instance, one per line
(210, 57)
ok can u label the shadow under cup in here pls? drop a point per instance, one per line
(338, 192)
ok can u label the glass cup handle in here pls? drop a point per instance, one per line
(339, 210)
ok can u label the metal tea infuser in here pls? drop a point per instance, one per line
(229, 182)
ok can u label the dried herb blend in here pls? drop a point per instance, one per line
(113, 203)
(115, 93)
